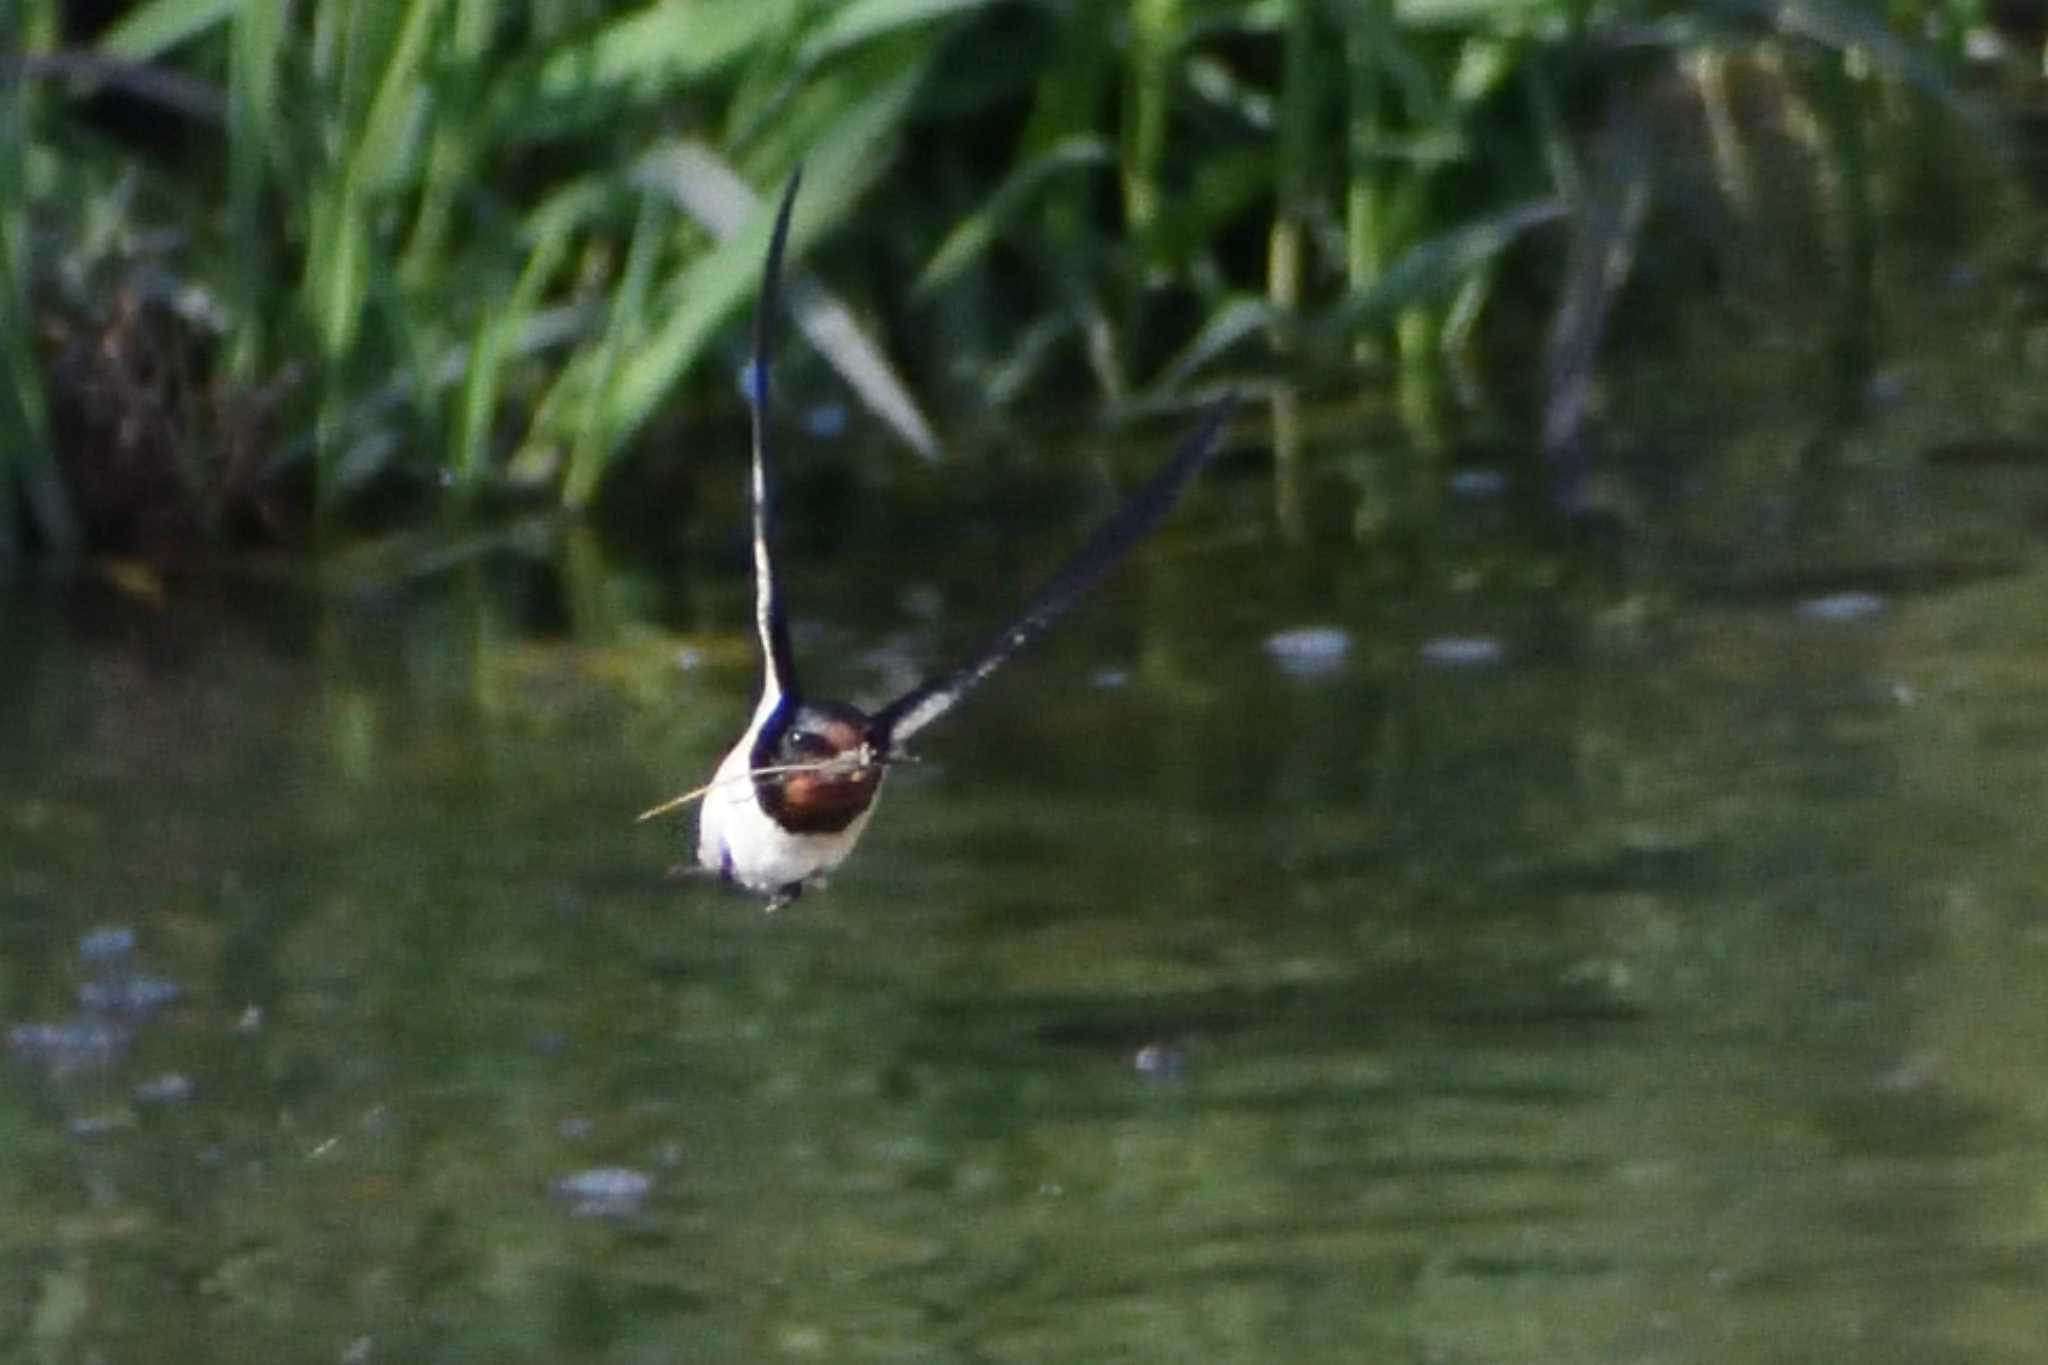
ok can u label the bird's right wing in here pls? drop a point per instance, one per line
(769, 614)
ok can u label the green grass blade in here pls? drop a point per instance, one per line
(28, 462)
(703, 184)
(1072, 90)
(382, 147)
(593, 443)
(24, 409)
(1154, 42)
(1377, 42)
(458, 143)
(829, 326)
(1242, 316)
(1473, 14)
(974, 234)
(151, 29)
(1365, 243)
(256, 50)
(712, 288)
(337, 264)
(500, 333)
(709, 190)
(642, 57)
(1008, 377)
(1435, 266)
(1300, 101)
(861, 21)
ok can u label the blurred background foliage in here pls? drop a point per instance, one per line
(268, 270)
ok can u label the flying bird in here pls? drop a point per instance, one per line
(792, 798)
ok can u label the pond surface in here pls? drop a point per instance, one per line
(1276, 966)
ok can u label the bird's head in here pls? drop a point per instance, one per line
(821, 770)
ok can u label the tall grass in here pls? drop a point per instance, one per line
(469, 241)
(28, 465)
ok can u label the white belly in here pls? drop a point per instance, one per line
(737, 840)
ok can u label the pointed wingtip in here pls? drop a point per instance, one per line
(771, 289)
(785, 210)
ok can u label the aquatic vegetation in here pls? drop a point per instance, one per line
(459, 252)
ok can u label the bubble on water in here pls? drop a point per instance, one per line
(169, 1088)
(99, 1125)
(605, 1191)
(1477, 485)
(1310, 651)
(135, 994)
(112, 941)
(1160, 1062)
(62, 1046)
(1836, 607)
(1462, 651)
(1886, 389)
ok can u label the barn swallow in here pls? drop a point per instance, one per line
(790, 801)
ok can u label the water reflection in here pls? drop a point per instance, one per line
(1669, 995)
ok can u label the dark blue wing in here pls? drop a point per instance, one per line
(769, 615)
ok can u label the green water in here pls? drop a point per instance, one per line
(1674, 988)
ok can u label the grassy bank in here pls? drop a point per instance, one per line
(267, 268)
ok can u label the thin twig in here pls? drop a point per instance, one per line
(847, 763)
